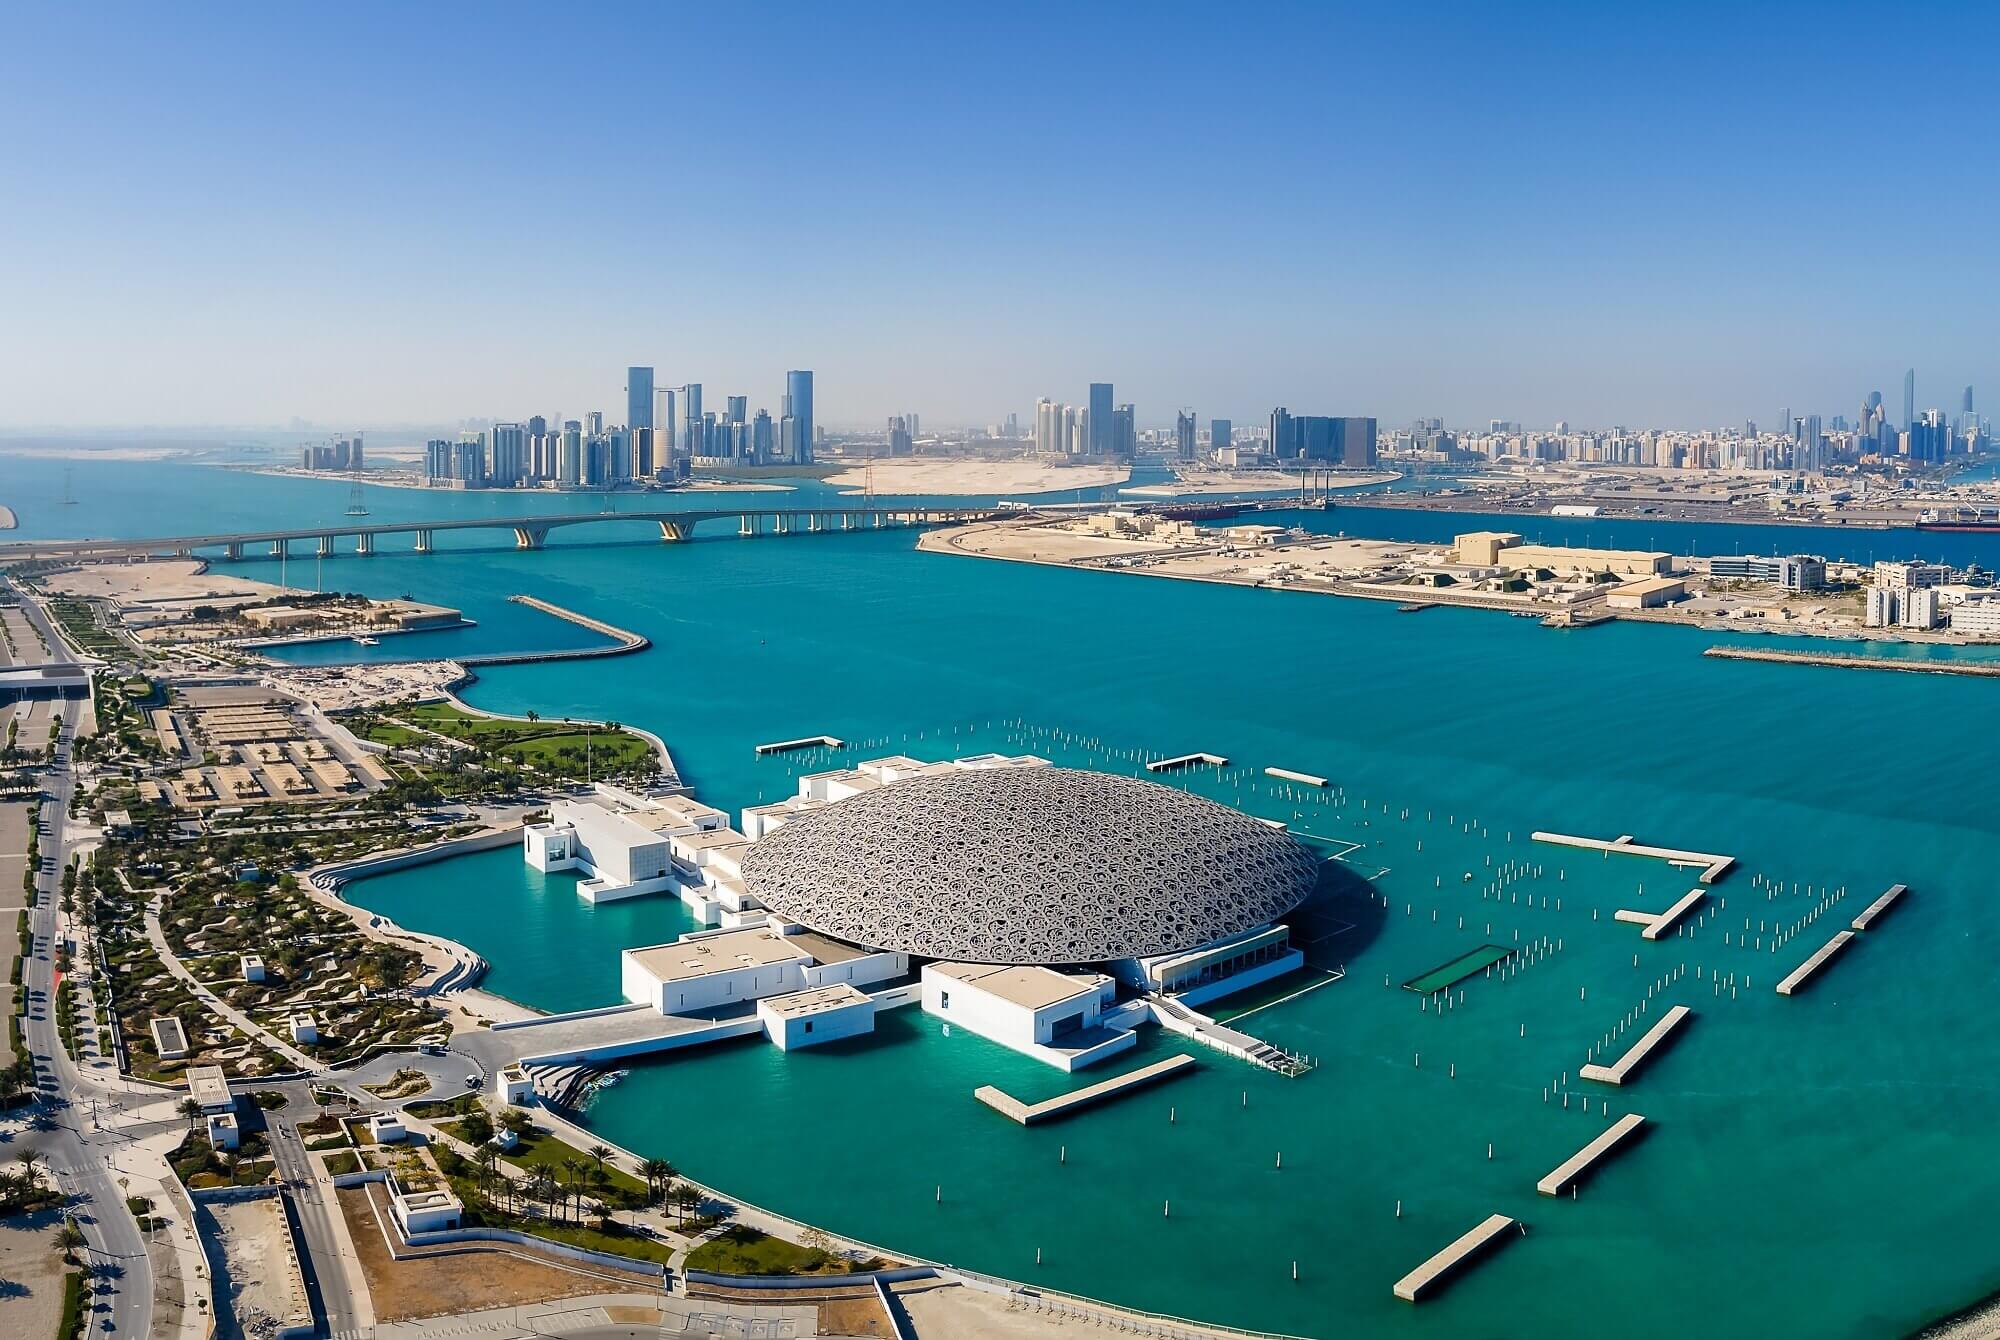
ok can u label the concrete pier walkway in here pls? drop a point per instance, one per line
(1462, 1252)
(1806, 971)
(1030, 1113)
(1879, 906)
(1712, 865)
(1636, 1055)
(1664, 923)
(1578, 1165)
(1187, 761)
(804, 742)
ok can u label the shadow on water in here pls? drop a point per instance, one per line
(1342, 918)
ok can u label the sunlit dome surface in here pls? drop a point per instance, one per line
(1029, 865)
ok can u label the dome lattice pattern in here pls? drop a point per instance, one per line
(1029, 865)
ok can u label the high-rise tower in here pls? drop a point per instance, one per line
(638, 397)
(799, 386)
(1102, 430)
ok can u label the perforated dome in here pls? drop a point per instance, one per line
(1029, 865)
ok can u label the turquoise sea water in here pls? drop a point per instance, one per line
(1818, 1166)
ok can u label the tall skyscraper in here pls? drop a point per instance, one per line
(1910, 398)
(1284, 441)
(691, 444)
(1124, 431)
(1219, 432)
(1101, 422)
(1184, 432)
(510, 454)
(738, 407)
(569, 455)
(1048, 428)
(799, 386)
(593, 422)
(638, 397)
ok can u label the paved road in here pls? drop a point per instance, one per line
(310, 1203)
(79, 1152)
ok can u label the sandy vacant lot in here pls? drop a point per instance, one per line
(156, 580)
(31, 1275)
(265, 1291)
(466, 1277)
(941, 1310)
(956, 477)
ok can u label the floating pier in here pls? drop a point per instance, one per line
(1664, 923)
(1468, 1248)
(1711, 865)
(1635, 918)
(1457, 970)
(1879, 906)
(1302, 778)
(1187, 761)
(1028, 1114)
(808, 742)
(1822, 956)
(1636, 1056)
(1579, 1164)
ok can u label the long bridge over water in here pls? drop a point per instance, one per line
(529, 531)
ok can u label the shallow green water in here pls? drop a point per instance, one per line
(1819, 1165)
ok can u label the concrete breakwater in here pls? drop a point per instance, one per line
(1986, 669)
(624, 641)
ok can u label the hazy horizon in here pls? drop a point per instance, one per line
(384, 216)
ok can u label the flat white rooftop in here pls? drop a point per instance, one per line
(819, 1000)
(684, 960)
(209, 1087)
(1031, 988)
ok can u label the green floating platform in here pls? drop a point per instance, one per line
(1460, 968)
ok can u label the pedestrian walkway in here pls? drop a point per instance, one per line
(250, 1027)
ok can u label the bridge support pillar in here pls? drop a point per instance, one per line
(364, 543)
(233, 550)
(783, 523)
(746, 524)
(530, 537)
(425, 542)
(326, 546)
(673, 532)
(280, 549)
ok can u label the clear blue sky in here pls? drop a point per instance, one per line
(366, 214)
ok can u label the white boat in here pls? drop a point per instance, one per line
(365, 641)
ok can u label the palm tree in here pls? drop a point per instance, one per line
(657, 1173)
(533, 716)
(29, 1158)
(68, 1239)
(190, 1109)
(573, 1168)
(689, 1198)
(599, 1153)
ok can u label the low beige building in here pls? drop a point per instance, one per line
(1652, 593)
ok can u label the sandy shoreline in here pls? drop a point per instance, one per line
(1252, 481)
(972, 477)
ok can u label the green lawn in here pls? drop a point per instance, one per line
(746, 1251)
(76, 1293)
(539, 1149)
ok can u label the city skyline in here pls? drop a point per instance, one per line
(1515, 243)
